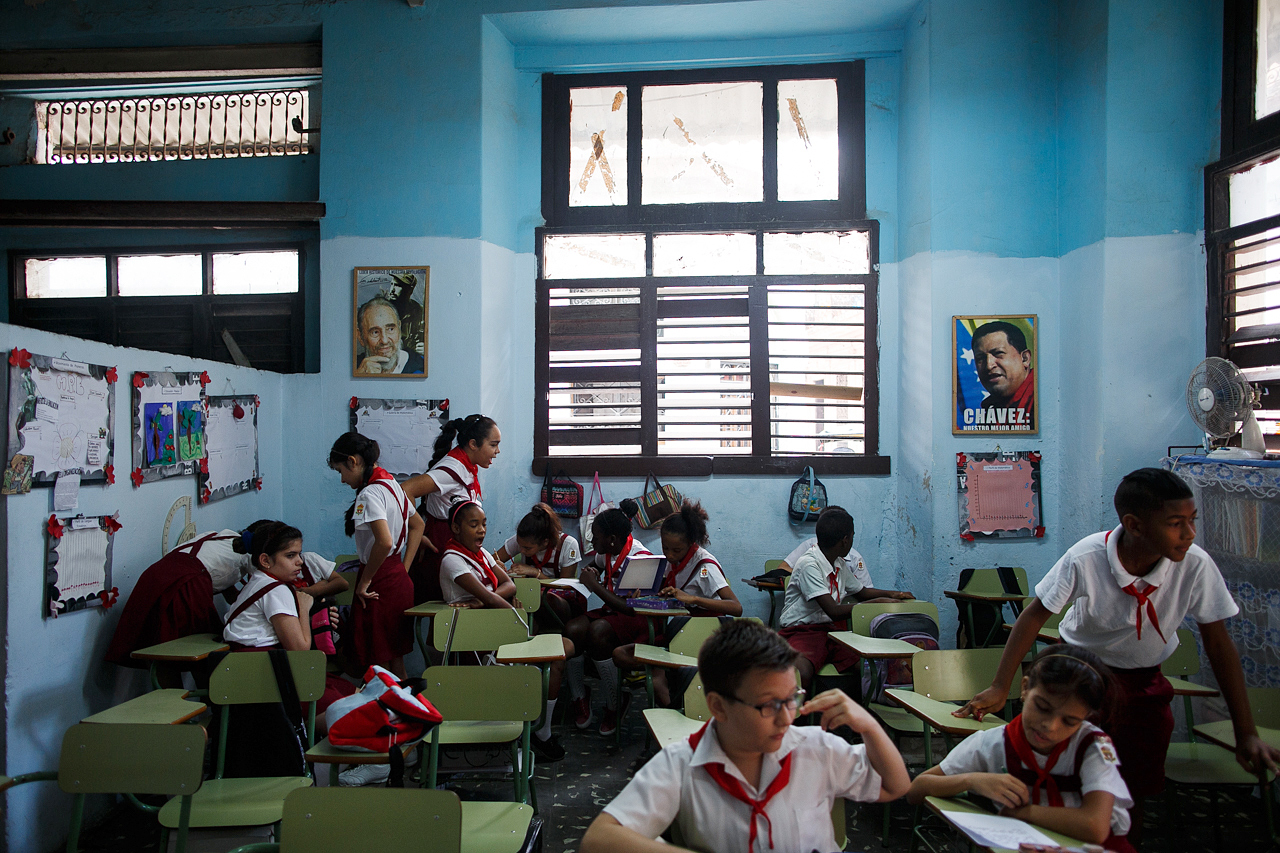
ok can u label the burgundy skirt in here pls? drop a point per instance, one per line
(1141, 726)
(425, 572)
(379, 629)
(173, 598)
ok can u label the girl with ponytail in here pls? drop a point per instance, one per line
(387, 532)
(546, 551)
(465, 445)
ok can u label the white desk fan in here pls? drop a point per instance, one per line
(1221, 402)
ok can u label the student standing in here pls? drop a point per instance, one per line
(1130, 589)
(387, 532)
(464, 446)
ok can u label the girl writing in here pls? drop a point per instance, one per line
(387, 532)
(1049, 766)
(546, 551)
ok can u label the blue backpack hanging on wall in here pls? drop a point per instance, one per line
(808, 498)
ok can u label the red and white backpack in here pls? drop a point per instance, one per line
(383, 713)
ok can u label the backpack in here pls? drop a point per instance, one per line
(385, 712)
(808, 498)
(919, 629)
(987, 618)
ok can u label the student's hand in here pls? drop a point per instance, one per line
(837, 710)
(1007, 792)
(987, 702)
(427, 543)
(333, 614)
(467, 605)
(365, 596)
(590, 577)
(1020, 813)
(523, 571)
(903, 595)
(678, 594)
(516, 605)
(1254, 753)
(304, 603)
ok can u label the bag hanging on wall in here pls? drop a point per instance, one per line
(562, 494)
(595, 505)
(657, 504)
(808, 498)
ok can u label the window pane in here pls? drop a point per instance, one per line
(817, 252)
(597, 146)
(594, 418)
(1266, 89)
(1255, 193)
(704, 254)
(255, 272)
(808, 140)
(65, 278)
(160, 275)
(593, 256)
(703, 143)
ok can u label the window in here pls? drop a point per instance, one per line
(705, 269)
(226, 303)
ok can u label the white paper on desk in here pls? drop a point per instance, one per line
(569, 583)
(66, 492)
(991, 830)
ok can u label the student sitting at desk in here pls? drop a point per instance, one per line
(1050, 766)
(854, 559)
(822, 592)
(269, 613)
(749, 781)
(547, 552)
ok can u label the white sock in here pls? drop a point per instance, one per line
(609, 680)
(576, 674)
(544, 733)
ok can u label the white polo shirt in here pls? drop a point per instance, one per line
(809, 580)
(376, 502)
(253, 627)
(983, 752)
(701, 576)
(569, 557)
(855, 561)
(674, 786)
(318, 567)
(453, 566)
(437, 503)
(1103, 617)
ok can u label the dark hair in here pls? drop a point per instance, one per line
(736, 649)
(616, 521)
(540, 524)
(1066, 670)
(1011, 332)
(464, 430)
(690, 523)
(1145, 491)
(375, 301)
(270, 538)
(354, 444)
(244, 545)
(459, 506)
(833, 525)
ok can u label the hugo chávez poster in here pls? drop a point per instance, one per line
(994, 374)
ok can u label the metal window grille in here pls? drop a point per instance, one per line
(179, 127)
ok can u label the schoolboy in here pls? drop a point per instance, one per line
(1130, 589)
(854, 559)
(822, 592)
(748, 781)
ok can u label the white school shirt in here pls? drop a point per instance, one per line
(809, 581)
(453, 566)
(672, 786)
(598, 560)
(376, 502)
(701, 576)
(570, 555)
(983, 752)
(253, 627)
(854, 560)
(319, 568)
(220, 560)
(449, 490)
(1102, 617)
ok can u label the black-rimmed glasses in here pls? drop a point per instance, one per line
(774, 707)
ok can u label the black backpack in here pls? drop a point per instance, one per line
(987, 617)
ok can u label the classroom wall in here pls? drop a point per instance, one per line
(1037, 156)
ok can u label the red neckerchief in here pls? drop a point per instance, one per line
(611, 569)
(670, 579)
(476, 557)
(472, 469)
(1143, 598)
(551, 555)
(1022, 748)
(380, 473)
(733, 787)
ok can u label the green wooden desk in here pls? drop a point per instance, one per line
(1223, 734)
(420, 612)
(941, 807)
(938, 715)
(159, 707)
(190, 649)
(668, 725)
(540, 651)
(875, 647)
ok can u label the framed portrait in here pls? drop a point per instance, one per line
(994, 375)
(390, 322)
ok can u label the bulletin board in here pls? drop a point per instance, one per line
(60, 417)
(999, 495)
(405, 431)
(78, 564)
(231, 443)
(168, 425)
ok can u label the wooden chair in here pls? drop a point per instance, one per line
(457, 630)
(348, 596)
(529, 593)
(987, 582)
(127, 758)
(1185, 661)
(244, 679)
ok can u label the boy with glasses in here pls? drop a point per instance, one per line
(748, 781)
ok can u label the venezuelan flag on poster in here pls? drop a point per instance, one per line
(969, 391)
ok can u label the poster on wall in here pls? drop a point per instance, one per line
(993, 375)
(168, 425)
(999, 495)
(405, 431)
(78, 563)
(231, 444)
(391, 321)
(60, 417)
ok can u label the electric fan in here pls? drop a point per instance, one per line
(1221, 402)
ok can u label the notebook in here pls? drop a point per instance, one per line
(642, 577)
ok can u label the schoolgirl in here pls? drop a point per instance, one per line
(464, 446)
(546, 551)
(1050, 766)
(270, 612)
(387, 532)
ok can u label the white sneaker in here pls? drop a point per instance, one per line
(364, 774)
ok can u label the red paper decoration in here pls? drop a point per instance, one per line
(20, 358)
(54, 527)
(111, 524)
(110, 471)
(111, 376)
(137, 379)
(136, 476)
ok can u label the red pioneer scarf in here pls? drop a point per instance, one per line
(474, 470)
(733, 788)
(1017, 738)
(475, 557)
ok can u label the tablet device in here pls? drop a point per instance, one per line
(643, 574)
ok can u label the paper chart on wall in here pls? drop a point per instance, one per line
(78, 565)
(404, 429)
(231, 438)
(168, 425)
(999, 494)
(60, 417)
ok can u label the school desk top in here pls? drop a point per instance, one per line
(426, 609)
(1044, 635)
(542, 648)
(1182, 687)
(875, 647)
(658, 656)
(159, 707)
(940, 714)
(189, 649)
(651, 612)
(1223, 734)
(668, 725)
(941, 806)
(993, 597)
